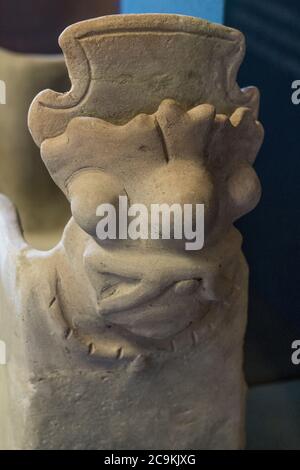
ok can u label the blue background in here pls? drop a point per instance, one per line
(209, 9)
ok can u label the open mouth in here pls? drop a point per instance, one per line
(158, 320)
(151, 315)
(157, 294)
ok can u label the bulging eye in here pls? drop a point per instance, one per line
(87, 190)
(244, 190)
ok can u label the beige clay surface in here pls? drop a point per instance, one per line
(134, 344)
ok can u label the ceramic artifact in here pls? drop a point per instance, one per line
(134, 344)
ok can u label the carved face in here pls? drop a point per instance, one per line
(172, 157)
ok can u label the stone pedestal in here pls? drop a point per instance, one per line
(134, 344)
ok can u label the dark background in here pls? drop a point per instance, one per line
(272, 231)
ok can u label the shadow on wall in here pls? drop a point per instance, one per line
(272, 231)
